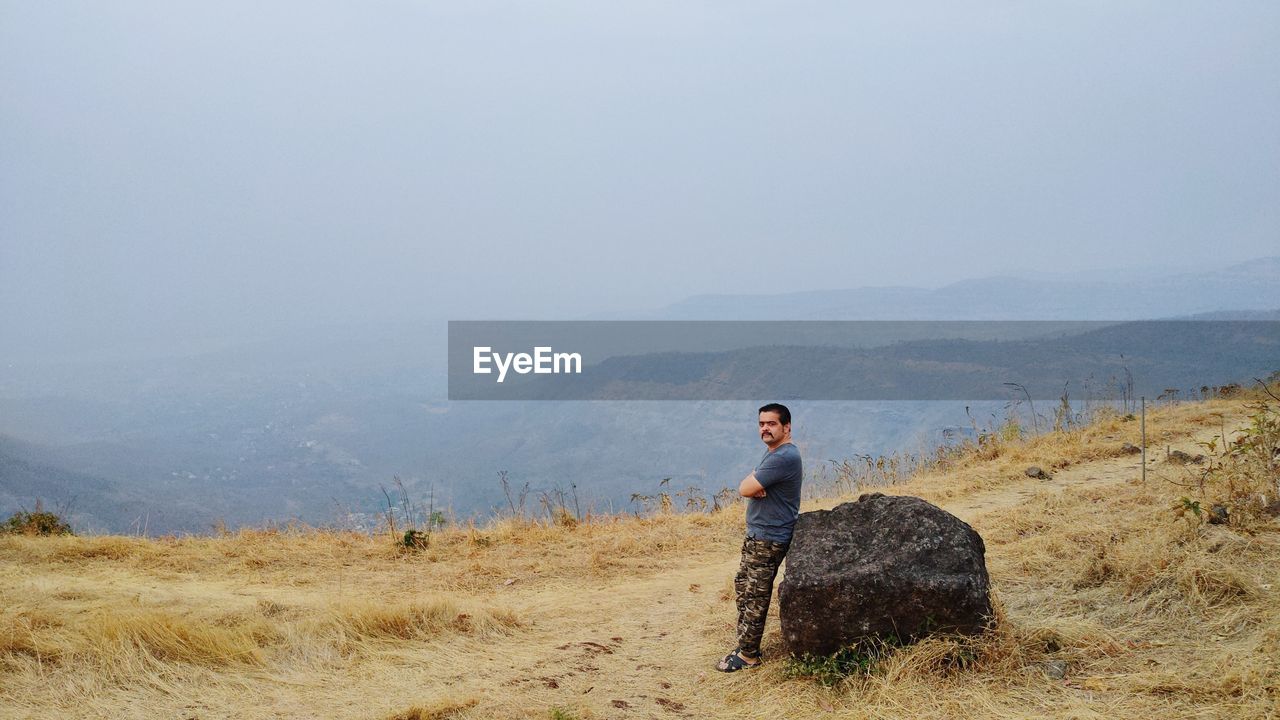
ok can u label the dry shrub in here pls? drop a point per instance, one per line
(38, 522)
(1242, 477)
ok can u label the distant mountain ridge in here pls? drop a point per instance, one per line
(1252, 285)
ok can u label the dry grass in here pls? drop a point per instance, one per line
(1147, 612)
(368, 620)
(439, 710)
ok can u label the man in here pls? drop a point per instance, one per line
(773, 503)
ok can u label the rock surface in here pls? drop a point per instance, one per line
(882, 568)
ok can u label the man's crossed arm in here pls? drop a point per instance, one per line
(750, 487)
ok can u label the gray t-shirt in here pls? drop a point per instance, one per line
(773, 516)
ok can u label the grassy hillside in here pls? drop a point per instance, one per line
(1115, 600)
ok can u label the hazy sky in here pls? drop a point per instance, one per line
(181, 167)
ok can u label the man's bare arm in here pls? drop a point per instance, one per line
(751, 487)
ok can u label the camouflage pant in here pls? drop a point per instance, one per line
(754, 584)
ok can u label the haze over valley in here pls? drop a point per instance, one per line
(310, 425)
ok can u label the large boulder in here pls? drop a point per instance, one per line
(882, 568)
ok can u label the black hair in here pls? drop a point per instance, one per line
(784, 415)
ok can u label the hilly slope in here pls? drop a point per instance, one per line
(1149, 612)
(25, 479)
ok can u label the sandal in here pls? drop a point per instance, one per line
(733, 662)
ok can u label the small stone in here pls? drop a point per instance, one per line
(1056, 669)
(1178, 457)
(1036, 472)
(1218, 515)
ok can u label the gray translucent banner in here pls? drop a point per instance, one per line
(853, 360)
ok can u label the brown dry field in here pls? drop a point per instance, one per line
(1154, 615)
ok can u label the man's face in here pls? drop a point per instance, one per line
(771, 428)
